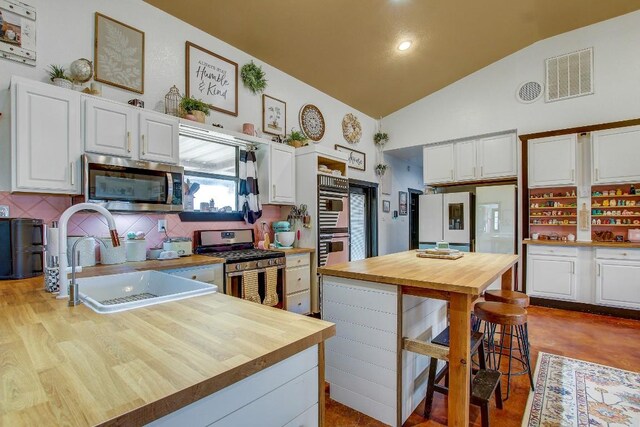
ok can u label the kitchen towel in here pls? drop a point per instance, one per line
(271, 293)
(250, 286)
(248, 195)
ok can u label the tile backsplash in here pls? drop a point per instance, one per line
(50, 207)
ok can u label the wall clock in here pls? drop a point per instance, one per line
(312, 122)
(351, 129)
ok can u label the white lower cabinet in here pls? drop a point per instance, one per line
(600, 276)
(552, 277)
(285, 394)
(298, 283)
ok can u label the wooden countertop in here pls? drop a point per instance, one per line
(469, 274)
(127, 267)
(294, 251)
(587, 244)
(65, 365)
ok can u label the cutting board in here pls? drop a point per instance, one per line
(456, 255)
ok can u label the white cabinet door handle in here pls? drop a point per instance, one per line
(144, 151)
(481, 171)
(598, 269)
(128, 142)
(451, 172)
(573, 174)
(597, 174)
(274, 190)
(573, 267)
(474, 171)
(73, 172)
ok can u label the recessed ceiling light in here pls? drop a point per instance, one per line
(404, 45)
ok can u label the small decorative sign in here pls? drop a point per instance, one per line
(274, 116)
(357, 159)
(386, 206)
(212, 79)
(18, 32)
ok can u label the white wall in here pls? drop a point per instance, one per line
(394, 232)
(485, 101)
(65, 33)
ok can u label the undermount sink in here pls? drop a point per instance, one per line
(119, 292)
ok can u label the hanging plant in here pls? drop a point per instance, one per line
(253, 77)
(380, 169)
(380, 138)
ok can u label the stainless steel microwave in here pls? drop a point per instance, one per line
(131, 185)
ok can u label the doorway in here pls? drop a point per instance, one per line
(363, 219)
(414, 218)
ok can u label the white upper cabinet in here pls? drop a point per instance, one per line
(615, 155)
(109, 127)
(552, 161)
(277, 174)
(465, 160)
(158, 138)
(45, 138)
(497, 156)
(122, 130)
(438, 164)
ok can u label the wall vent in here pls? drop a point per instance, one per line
(529, 92)
(569, 75)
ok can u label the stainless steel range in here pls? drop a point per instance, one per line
(236, 247)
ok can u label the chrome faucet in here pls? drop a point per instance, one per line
(74, 292)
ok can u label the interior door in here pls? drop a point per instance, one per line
(457, 218)
(430, 222)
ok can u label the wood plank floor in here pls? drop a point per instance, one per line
(607, 340)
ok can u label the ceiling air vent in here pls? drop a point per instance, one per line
(570, 75)
(529, 92)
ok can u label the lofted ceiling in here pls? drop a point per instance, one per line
(348, 48)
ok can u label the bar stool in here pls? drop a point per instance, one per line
(483, 384)
(513, 322)
(508, 297)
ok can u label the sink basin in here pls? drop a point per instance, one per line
(119, 292)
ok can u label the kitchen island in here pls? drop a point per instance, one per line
(381, 307)
(201, 360)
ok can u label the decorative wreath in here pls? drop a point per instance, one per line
(253, 77)
(312, 122)
(351, 128)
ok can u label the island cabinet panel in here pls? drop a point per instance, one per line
(259, 397)
(361, 360)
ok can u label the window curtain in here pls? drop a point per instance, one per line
(248, 195)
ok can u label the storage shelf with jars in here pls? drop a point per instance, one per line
(614, 210)
(553, 213)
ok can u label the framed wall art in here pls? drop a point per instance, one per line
(402, 202)
(18, 32)
(119, 54)
(212, 79)
(357, 159)
(386, 206)
(274, 116)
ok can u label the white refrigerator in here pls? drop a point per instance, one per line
(445, 217)
(496, 219)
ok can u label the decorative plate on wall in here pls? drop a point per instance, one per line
(351, 129)
(312, 122)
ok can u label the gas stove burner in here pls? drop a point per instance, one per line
(245, 255)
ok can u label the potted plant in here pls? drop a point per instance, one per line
(380, 169)
(194, 109)
(253, 77)
(58, 76)
(380, 138)
(296, 139)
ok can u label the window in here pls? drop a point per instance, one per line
(211, 179)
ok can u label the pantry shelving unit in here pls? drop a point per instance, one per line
(553, 212)
(614, 210)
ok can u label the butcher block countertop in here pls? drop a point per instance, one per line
(469, 274)
(65, 365)
(587, 244)
(168, 264)
(294, 251)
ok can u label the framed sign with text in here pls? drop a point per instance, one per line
(212, 79)
(357, 159)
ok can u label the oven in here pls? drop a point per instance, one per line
(333, 220)
(257, 275)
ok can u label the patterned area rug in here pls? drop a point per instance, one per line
(571, 392)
